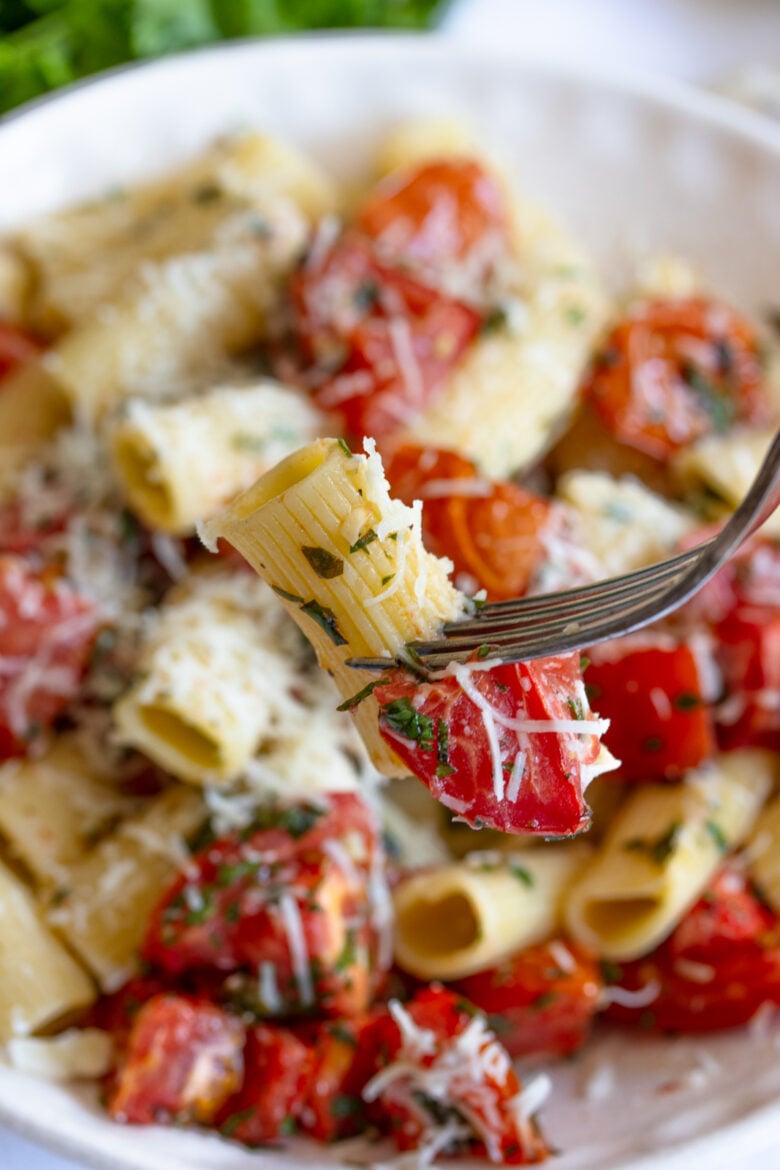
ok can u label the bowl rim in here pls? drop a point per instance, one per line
(665, 93)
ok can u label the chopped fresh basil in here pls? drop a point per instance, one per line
(522, 874)
(287, 596)
(326, 619)
(368, 689)
(366, 539)
(717, 835)
(658, 849)
(324, 563)
(345, 447)
(402, 718)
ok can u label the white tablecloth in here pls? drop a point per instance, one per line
(689, 39)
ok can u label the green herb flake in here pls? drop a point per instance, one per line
(339, 1031)
(363, 542)
(584, 662)
(197, 915)
(687, 702)
(401, 717)
(348, 956)
(345, 447)
(484, 650)
(325, 619)
(386, 580)
(717, 405)
(575, 314)
(343, 1105)
(247, 444)
(231, 1124)
(227, 875)
(718, 836)
(545, 1000)
(299, 819)
(658, 849)
(353, 701)
(576, 708)
(522, 874)
(288, 1127)
(610, 972)
(324, 563)
(495, 320)
(287, 596)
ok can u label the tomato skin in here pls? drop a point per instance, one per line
(277, 1072)
(675, 370)
(182, 1061)
(346, 1057)
(231, 910)
(427, 216)
(747, 631)
(493, 537)
(535, 1006)
(485, 1099)
(549, 801)
(17, 348)
(717, 968)
(42, 619)
(365, 325)
(651, 689)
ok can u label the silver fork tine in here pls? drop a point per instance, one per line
(576, 618)
(501, 612)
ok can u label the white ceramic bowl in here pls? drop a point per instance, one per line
(630, 166)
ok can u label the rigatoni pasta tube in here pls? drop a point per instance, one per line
(82, 258)
(214, 679)
(178, 319)
(348, 563)
(763, 853)
(52, 806)
(32, 410)
(103, 911)
(516, 385)
(181, 462)
(465, 917)
(725, 467)
(39, 980)
(663, 847)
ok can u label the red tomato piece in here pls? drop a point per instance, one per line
(17, 348)
(652, 690)
(717, 968)
(441, 1060)
(465, 737)
(19, 535)
(183, 1060)
(277, 1072)
(430, 215)
(384, 342)
(747, 630)
(47, 630)
(541, 1000)
(291, 894)
(492, 531)
(346, 1057)
(674, 370)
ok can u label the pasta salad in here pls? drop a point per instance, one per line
(269, 899)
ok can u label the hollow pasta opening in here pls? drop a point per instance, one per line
(440, 927)
(182, 737)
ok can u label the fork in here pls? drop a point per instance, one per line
(572, 619)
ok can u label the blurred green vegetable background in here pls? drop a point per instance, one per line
(47, 43)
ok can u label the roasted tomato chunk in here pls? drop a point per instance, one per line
(434, 215)
(286, 901)
(540, 1001)
(382, 343)
(182, 1060)
(47, 630)
(716, 969)
(444, 1068)
(277, 1072)
(675, 370)
(510, 747)
(493, 532)
(654, 690)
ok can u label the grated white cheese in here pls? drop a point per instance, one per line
(299, 955)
